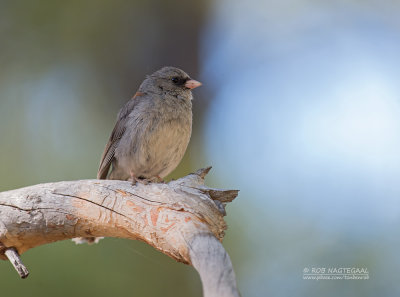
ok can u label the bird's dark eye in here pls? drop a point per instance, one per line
(178, 80)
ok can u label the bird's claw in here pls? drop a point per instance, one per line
(146, 181)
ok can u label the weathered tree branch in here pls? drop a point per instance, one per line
(183, 219)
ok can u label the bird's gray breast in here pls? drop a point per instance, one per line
(158, 137)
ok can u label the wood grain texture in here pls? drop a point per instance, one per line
(183, 219)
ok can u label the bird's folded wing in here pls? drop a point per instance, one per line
(119, 130)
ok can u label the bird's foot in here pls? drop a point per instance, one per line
(142, 181)
(160, 180)
(145, 181)
(154, 179)
(133, 179)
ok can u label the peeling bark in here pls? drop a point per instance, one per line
(183, 219)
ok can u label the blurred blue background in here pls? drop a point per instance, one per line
(299, 109)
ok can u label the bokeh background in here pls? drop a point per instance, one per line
(299, 109)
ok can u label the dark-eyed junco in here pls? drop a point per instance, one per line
(153, 129)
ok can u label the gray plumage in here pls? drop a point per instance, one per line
(152, 130)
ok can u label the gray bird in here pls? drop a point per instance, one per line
(153, 129)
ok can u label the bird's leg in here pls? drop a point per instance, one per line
(133, 178)
(160, 180)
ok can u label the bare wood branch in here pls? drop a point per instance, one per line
(214, 266)
(183, 219)
(15, 260)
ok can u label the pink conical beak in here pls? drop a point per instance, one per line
(191, 84)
